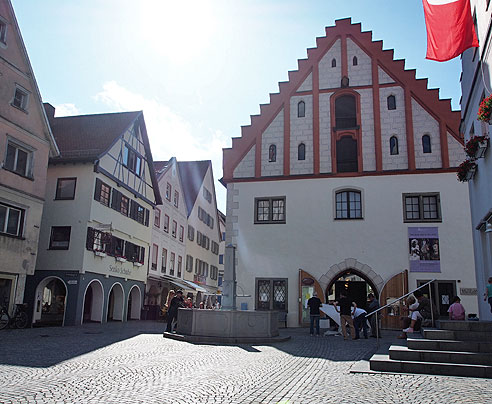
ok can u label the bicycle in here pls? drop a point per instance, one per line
(19, 319)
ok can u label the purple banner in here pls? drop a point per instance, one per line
(423, 250)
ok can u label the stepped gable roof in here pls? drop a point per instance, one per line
(87, 137)
(192, 174)
(395, 68)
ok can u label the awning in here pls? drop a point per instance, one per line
(180, 283)
(196, 287)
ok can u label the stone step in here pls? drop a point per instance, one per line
(457, 335)
(383, 363)
(480, 326)
(449, 345)
(403, 353)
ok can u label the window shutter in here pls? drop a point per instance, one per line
(89, 242)
(116, 200)
(97, 191)
(133, 209)
(146, 217)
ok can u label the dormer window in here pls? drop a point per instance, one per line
(355, 61)
(272, 153)
(301, 109)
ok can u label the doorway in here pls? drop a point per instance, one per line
(134, 304)
(442, 294)
(115, 303)
(356, 286)
(50, 303)
(93, 303)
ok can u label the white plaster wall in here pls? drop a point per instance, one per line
(456, 151)
(307, 85)
(367, 126)
(324, 133)
(274, 134)
(383, 77)
(312, 240)
(246, 168)
(393, 124)
(425, 124)
(330, 77)
(361, 74)
(301, 131)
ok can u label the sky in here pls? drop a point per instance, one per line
(199, 68)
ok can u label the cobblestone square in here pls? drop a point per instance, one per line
(133, 363)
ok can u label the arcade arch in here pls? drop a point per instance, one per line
(92, 311)
(115, 303)
(50, 302)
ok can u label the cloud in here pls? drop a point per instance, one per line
(169, 133)
(66, 110)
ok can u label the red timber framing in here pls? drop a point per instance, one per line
(414, 89)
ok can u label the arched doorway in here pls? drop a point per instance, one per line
(134, 304)
(93, 303)
(356, 284)
(115, 303)
(50, 303)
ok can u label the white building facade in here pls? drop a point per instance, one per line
(347, 180)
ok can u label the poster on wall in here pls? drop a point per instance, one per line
(424, 249)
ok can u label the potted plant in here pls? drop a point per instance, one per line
(138, 264)
(100, 253)
(466, 170)
(476, 146)
(485, 109)
(120, 258)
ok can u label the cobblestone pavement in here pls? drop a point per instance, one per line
(133, 363)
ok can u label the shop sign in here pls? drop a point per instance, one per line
(119, 270)
(307, 281)
(468, 291)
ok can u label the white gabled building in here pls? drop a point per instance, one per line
(347, 179)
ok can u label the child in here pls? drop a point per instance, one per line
(456, 310)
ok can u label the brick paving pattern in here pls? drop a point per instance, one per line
(133, 363)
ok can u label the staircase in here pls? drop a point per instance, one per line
(457, 348)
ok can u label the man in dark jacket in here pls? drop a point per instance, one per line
(373, 304)
(172, 314)
(314, 304)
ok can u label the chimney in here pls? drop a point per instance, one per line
(50, 110)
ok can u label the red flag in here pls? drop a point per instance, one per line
(450, 29)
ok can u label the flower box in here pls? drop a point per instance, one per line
(101, 254)
(137, 264)
(477, 146)
(482, 148)
(121, 259)
(466, 170)
(485, 109)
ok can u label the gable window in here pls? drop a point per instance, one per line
(271, 294)
(426, 144)
(102, 192)
(60, 237)
(155, 251)
(270, 210)
(163, 260)
(391, 101)
(11, 220)
(21, 98)
(333, 62)
(132, 160)
(348, 205)
(180, 264)
(181, 233)
(347, 155)
(301, 109)
(3, 31)
(165, 225)
(301, 152)
(157, 217)
(175, 228)
(272, 153)
(171, 264)
(168, 191)
(18, 159)
(207, 195)
(65, 188)
(355, 62)
(176, 198)
(422, 207)
(345, 112)
(394, 146)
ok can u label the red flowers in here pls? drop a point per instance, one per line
(485, 109)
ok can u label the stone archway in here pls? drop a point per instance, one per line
(347, 264)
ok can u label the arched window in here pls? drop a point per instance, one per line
(348, 204)
(394, 145)
(355, 61)
(272, 153)
(426, 144)
(333, 62)
(346, 150)
(345, 112)
(301, 152)
(301, 109)
(391, 102)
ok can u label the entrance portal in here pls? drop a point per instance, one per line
(134, 304)
(355, 284)
(51, 296)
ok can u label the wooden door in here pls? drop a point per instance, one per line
(307, 285)
(397, 286)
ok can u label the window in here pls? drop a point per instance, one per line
(391, 100)
(197, 266)
(134, 253)
(355, 62)
(102, 192)
(60, 237)
(3, 31)
(301, 152)
(191, 233)
(18, 159)
(139, 213)
(165, 225)
(157, 217)
(168, 191)
(347, 155)
(120, 202)
(180, 264)
(214, 272)
(132, 160)
(426, 144)
(117, 247)
(175, 228)
(207, 195)
(270, 210)
(301, 109)
(345, 112)
(163, 260)
(394, 146)
(348, 205)
(189, 263)
(272, 153)
(215, 248)
(333, 63)
(176, 198)
(11, 220)
(65, 188)
(155, 252)
(199, 238)
(422, 207)
(181, 233)
(223, 236)
(271, 294)
(21, 98)
(98, 241)
(171, 264)
(221, 259)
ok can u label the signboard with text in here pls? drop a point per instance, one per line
(424, 249)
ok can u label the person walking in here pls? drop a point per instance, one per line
(488, 293)
(360, 321)
(172, 314)
(373, 305)
(345, 314)
(314, 304)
